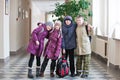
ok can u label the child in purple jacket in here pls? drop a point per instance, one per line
(52, 49)
(36, 45)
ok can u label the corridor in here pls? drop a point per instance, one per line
(18, 18)
(16, 69)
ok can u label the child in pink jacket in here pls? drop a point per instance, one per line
(52, 49)
(36, 46)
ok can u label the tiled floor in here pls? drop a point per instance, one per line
(16, 69)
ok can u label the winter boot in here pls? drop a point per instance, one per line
(41, 74)
(78, 73)
(30, 75)
(52, 74)
(37, 72)
(84, 74)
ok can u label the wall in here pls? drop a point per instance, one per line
(19, 26)
(1, 27)
(114, 14)
(100, 47)
(4, 31)
(37, 16)
(106, 17)
(13, 24)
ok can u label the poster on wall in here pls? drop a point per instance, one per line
(6, 7)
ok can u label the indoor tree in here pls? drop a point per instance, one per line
(73, 8)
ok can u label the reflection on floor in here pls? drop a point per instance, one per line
(16, 69)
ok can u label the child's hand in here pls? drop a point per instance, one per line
(37, 42)
(90, 27)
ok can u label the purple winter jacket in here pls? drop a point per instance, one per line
(39, 34)
(53, 46)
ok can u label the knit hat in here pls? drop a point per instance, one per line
(68, 18)
(49, 24)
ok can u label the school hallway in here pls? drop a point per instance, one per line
(16, 69)
(18, 18)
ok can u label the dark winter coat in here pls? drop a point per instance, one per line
(69, 34)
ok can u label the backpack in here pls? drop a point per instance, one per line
(86, 27)
(62, 68)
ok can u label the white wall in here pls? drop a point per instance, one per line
(37, 16)
(1, 28)
(13, 16)
(19, 29)
(4, 31)
(39, 10)
(6, 36)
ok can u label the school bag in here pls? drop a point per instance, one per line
(86, 27)
(89, 36)
(62, 68)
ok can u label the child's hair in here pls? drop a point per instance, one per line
(58, 22)
(79, 16)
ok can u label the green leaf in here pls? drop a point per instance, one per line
(73, 8)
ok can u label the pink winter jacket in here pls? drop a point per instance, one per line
(53, 46)
(39, 34)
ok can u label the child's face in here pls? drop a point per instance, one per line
(48, 28)
(80, 21)
(57, 27)
(68, 22)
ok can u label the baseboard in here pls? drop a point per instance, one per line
(104, 60)
(5, 60)
(116, 67)
(99, 57)
(18, 51)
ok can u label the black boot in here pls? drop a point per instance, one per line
(84, 75)
(30, 75)
(37, 72)
(78, 73)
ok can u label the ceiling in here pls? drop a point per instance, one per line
(46, 5)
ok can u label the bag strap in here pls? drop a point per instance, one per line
(86, 27)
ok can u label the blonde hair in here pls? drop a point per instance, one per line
(58, 22)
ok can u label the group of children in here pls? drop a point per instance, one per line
(62, 38)
(52, 48)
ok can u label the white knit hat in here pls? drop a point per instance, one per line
(49, 24)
